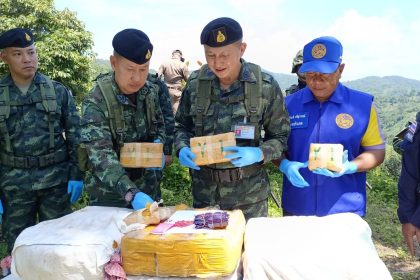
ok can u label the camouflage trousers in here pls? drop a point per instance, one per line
(249, 194)
(147, 181)
(23, 209)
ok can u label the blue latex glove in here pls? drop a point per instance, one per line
(349, 167)
(1, 212)
(140, 200)
(187, 157)
(76, 189)
(163, 159)
(291, 170)
(243, 156)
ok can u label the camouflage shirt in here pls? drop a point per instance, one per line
(106, 173)
(28, 128)
(165, 105)
(222, 118)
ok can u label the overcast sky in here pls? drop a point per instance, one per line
(380, 38)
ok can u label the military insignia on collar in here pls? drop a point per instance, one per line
(344, 121)
(148, 54)
(319, 51)
(27, 37)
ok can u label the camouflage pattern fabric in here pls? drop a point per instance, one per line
(29, 134)
(22, 189)
(222, 118)
(168, 118)
(295, 87)
(166, 107)
(107, 181)
(22, 206)
(232, 195)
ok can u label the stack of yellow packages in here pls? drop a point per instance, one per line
(184, 251)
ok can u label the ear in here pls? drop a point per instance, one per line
(341, 69)
(242, 48)
(3, 56)
(113, 60)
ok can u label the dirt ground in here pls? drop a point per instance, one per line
(399, 266)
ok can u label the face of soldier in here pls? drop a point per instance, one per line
(129, 75)
(224, 62)
(323, 85)
(22, 62)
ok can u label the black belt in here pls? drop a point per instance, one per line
(34, 161)
(227, 175)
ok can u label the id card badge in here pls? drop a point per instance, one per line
(244, 131)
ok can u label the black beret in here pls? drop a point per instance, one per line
(221, 32)
(134, 45)
(16, 37)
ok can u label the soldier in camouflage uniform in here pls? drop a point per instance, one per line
(405, 137)
(229, 95)
(107, 182)
(38, 140)
(297, 62)
(168, 117)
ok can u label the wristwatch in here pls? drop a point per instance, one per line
(129, 195)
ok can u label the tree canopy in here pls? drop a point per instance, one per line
(64, 46)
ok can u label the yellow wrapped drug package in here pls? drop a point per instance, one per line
(141, 155)
(329, 156)
(210, 149)
(184, 251)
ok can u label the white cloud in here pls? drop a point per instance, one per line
(375, 45)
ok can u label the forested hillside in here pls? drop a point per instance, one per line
(397, 99)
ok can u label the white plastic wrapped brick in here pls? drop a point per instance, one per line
(298, 248)
(76, 246)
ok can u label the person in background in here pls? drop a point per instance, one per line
(137, 117)
(39, 127)
(174, 71)
(231, 95)
(409, 187)
(168, 117)
(328, 112)
(404, 137)
(297, 62)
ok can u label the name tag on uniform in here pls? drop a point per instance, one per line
(244, 131)
(299, 120)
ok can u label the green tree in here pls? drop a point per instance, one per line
(64, 46)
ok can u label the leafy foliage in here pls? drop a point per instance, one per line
(64, 46)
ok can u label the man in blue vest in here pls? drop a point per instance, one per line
(409, 190)
(328, 112)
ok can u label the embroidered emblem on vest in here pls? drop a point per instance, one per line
(344, 121)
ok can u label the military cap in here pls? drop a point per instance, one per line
(16, 37)
(221, 32)
(133, 45)
(323, 55)
(297, 61)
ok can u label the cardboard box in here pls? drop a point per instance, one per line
(209, 149)
(328, 156)
(208, 253)
(141, 155)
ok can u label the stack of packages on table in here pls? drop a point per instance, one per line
(80, 245)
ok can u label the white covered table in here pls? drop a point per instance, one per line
(298, 248)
